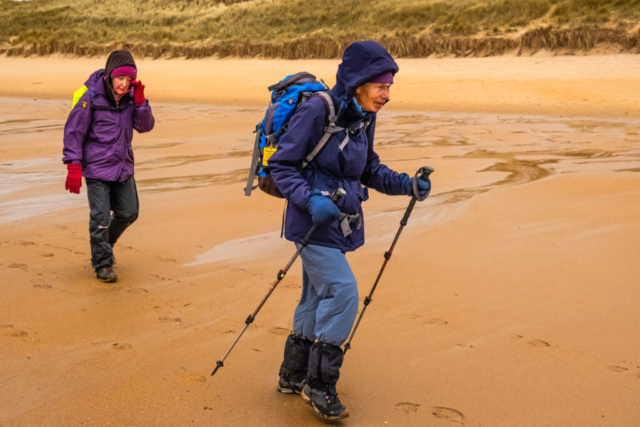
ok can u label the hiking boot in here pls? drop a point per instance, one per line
(324, 399)
(325, 361)
(293, 371)
(106, 274)
(291, 384)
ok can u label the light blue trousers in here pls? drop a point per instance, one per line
(329, 302)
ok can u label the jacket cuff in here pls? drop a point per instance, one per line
(406, 183)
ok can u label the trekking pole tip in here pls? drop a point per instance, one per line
(219, 364)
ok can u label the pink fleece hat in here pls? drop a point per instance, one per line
(125, 71)
(386, 78)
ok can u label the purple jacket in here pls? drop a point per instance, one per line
(348, 160)
(98, 135)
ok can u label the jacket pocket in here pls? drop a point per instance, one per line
(95, 151)
(363, 193)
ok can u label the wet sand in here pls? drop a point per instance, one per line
(511, 298)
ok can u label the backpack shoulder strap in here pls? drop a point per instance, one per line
(331, 128)
(78, 94)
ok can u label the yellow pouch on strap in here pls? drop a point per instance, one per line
(268, 152)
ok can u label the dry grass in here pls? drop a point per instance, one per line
(306, 29)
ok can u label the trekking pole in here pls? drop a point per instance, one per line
(423, 173)
(335, 197)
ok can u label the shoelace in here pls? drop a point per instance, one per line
(331, 395)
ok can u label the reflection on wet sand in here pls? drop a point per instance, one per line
(12, 127)
(23, 209)
(252, 247)
(174, 161)
(522, 148)
(160, 145)
(156, 185)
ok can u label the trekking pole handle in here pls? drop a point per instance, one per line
(423, 174)
(425, 171)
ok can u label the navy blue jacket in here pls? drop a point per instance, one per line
(349, 164)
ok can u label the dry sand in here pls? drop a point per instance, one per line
(511, 300)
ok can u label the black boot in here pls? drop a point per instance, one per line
(294, 367)
(325, 361)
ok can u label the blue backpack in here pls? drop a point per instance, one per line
(286, 96)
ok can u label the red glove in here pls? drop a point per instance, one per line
(138, 93)
(74, 178)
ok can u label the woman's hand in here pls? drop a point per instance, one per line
(424, 186)
(138, 92)
(322, 209)
(74, 178)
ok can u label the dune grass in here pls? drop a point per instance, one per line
(310, 28)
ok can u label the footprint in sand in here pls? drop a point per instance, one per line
(407, 407)
(280, 331)
(27, 243)
(415, 316)
(615, 368)
(123, 346)
(13, 333)
(47, 255)
(42, 286)
(138, 291)
(447, 414)
(169, 319)
(435, 321)
(195, 378)
(20, 266)
(539, 343)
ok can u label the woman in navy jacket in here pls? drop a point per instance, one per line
(329, 302)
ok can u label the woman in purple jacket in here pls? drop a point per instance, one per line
(97, 145)
(329, 304)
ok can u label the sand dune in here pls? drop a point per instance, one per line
(511, 298)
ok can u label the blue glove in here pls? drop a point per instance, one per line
(424, 185)
(322, 209)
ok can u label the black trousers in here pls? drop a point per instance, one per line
(114, 207)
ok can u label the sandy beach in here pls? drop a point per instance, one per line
(511, 299)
